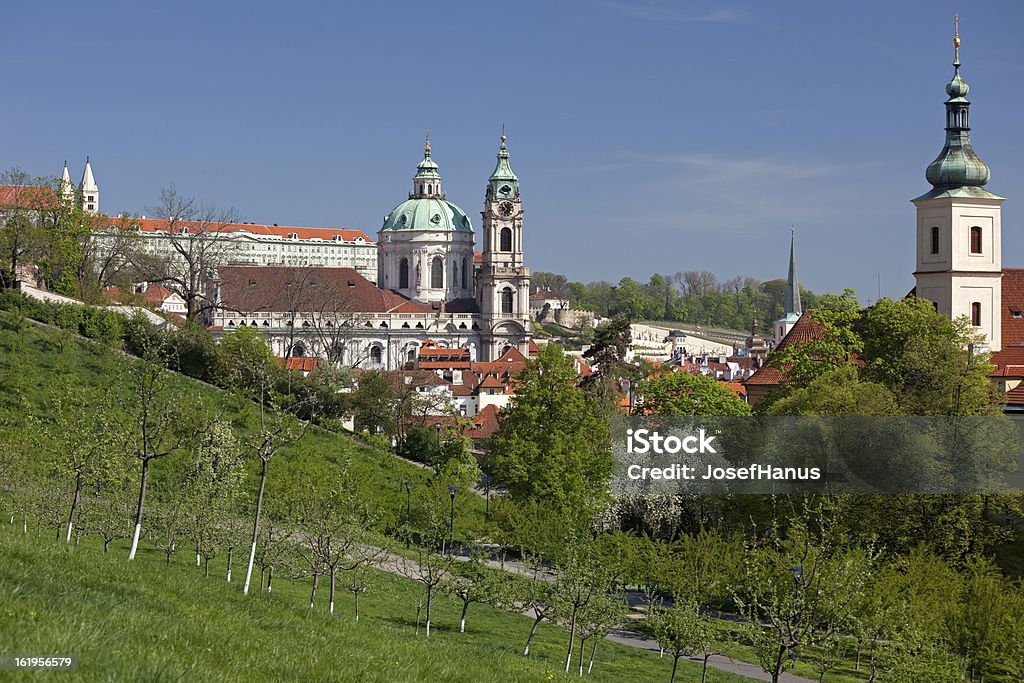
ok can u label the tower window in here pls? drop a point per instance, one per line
(935, 240)
(505, 240)
(975, 240)
(506, 301)
(375, 355)
(465, 275)
(437, 273)
(403, 274)
(976, 313)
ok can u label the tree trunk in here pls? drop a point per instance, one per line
(357, 606)
(230, 550)
(312, 594)
(583, 642)
(675, 665)
(24, 521)
(704, 671)
(593, 651)
(270, 578)
(256, 526)
(419, 607)
(106, 545)
(778, 664)
(572, 633)
(263, 575)
(430, 596)
(462, 622)
(330, 609)
(138, 511)
(858, 655)
(533, 630)
(74, 505)
(207, 563)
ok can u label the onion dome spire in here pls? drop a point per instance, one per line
(958, 169)
(503, 182)
(427, 181)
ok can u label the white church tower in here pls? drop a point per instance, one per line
(67, 188)
(89, 190)
(959, 257)
(503, 280)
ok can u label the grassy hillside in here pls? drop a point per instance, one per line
(37, 363)
(144, 621)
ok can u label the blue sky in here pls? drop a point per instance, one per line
(648, 135)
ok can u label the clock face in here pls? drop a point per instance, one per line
(506, 208)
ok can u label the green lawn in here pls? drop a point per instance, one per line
(144, 621)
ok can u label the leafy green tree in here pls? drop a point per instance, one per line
(680, 393)
(684, 629)
(473, 582)
(550, 444)
(799, 588)
(211, 486)
(151, 423)
(837, 391)
(837, 345)
(928, 360)
(372, 404)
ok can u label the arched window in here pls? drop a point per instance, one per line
(376, 354)
(437, 273)
(935, 240)
(976, 313)
(465, 274)
(505, 240)
(507, 297)
(455, 274)
(430, 189)
(975, 240)
(298, 351)
(403, 274)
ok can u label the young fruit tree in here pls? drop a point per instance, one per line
(473, 581)
(151, 423)
(250, 365)
(211, 485)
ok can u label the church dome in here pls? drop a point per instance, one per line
(427, 214)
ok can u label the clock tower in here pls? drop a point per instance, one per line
(503, 281)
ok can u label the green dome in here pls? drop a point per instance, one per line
(957, 87)
(428, 215)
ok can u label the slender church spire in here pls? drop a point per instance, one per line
(427, 181)
(792, 282)
(89, 190)
(67, 188)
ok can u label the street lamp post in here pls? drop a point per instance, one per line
(452, 490)
(408, 513)
(487, 495)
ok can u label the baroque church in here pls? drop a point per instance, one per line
(432, 284)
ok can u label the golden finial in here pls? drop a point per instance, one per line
(503, 132)
(426, 146)
(956, 40)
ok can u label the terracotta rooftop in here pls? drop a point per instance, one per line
(804, 330)
(152, 225)
(26, 196)
(251, 289)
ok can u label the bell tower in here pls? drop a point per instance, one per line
(503, 281)
(959, 232)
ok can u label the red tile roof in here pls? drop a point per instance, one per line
(1015, 396)
(156, 294)
(250, 289)
(804, 330)
(491, 382)
(485, 423)
(283, 231)
(27, 197)
(300, 364)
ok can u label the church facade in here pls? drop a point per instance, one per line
(431, 284)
